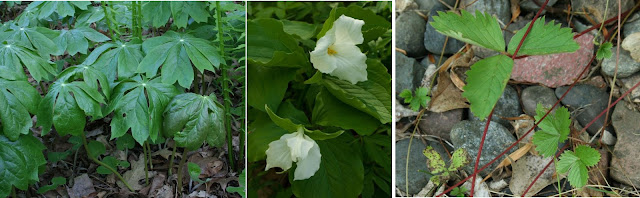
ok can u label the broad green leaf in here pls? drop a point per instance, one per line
(436, 164)
(182, 10)
(269, 85)
(92, 15)
(555, 129)
(604, 51)
(290, 126)
(63, 8)
(125, 142)
(194, 172)
(341, 173)
(242, 178)
(54, 157)
(481, 30)
(138, 105)
(19, 162)
(459, 158)
(18, 99)
(33, 39)
(55, 182)
(302, 29)
(96, 148)
(113, 163)
(116, 60)
(374, 25)
(372, 96)
(263, 131)
(329, 111)
(192, 119)
(577, 163)
(421, 98)
(485, 83)
(543, 39)
(407, 95)
(76, 40)
(176, 52)
(157, 12)
(15, 56)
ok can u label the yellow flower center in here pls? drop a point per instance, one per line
(331, 51)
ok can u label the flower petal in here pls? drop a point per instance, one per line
(299, 145)
(308, 166)
(278, 154)
(348, 30)
(320, 58)
(351, 63)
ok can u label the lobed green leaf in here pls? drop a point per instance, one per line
(485, 83)
(482, 29)
(543, 39)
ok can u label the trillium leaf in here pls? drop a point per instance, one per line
(116, 60)
(15, 56)
(176, 52)
(20, 161)
(329, 111)
(555, 129)
(18, 99)
(485, 83)
(76, 40)
(138, 105)
(543, 39)
(265, 131)
(192, 119)
(481, 29)
(577, 163)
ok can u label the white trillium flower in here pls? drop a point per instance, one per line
(295, 147)
(336, 52)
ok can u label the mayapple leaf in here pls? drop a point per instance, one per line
(18, 99)
(91, 15)
(192, 119)
(576, 163)
(485, 83)
(138, 105)
(159, 12)
(15, 55)
(20, 161)
(482, 29)
(176, 52)
(63, 8)
(116, 60)
(33, 39)
(543, 39)
(555, 129)
(76, 40)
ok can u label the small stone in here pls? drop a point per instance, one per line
(533, 95)
(596, 8)
(468, 134)
(411, 70)
(427, 5)
(507, 106)
(625, 163)
(626, 66)
(440, 124)
(632, 25)
(499, 8)
(526, 169)
(589, 101)
(82, 186)
(405, 5)
(434, 41)
(632, 44)
(417, 161)
(628, 83)
(410, 33)
(608, 138)
(530, 5)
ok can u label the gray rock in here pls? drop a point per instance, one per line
(425, 62)
(632, 25)
(433, 40)
(440, 124)
(430, 4)
(468, 134)
(628, 83)
(625, 163)
(507, 106)
(409, 72)
(530, 5)
(410, 33)
(526, 169)
(596, 8)
(417, 161)
(499, 8)
(533, 95)
(589, 101)
(626, 67)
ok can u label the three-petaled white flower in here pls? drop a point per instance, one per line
(336, 52)
(295, 147)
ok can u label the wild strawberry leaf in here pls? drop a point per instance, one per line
(19, 162)
(485, 83)
(176, 52)
(192, 119)
(555, 129)
(481, 29)
(436, 164)
(604, 51)
(421, 98)
(18, 99)
(75, 40)
(543, 39)
(116, 60)
(32, 38)
(138, 105)
(63, 8)
(577, 163)
(160, 12)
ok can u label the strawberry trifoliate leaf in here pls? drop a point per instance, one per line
(555, 129)
(481, 29)
(577, 163)
(436, 164)
(407, 95)
(485, 83)
(192, 119)
(604, 51)
(175, 52)
(18, 99)
(543, 39)
(116, 60)
(75, 40)
(138, 105)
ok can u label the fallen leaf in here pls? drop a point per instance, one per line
(447, 95)
(514, 156)
(166, 153)
(525, 170)
(632, 44)
(82, 186)
(515, 9)
(136, 174)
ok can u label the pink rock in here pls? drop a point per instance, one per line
(556, 69)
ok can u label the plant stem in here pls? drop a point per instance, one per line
(182, 161)
(225, 89)
(150, 158)
(173, 154)
(13, 192)
(203, 88)
(475, 167)
(146, 168)
(86, 147)
(106, 14)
